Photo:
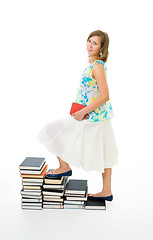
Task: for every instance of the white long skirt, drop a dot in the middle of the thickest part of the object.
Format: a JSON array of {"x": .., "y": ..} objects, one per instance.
[{"x": 85, "y": 144}]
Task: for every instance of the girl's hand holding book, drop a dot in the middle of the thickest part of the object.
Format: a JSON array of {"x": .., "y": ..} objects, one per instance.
[
  {"x": 79, "y": 115},
  {"x": 77, "y": 111}
]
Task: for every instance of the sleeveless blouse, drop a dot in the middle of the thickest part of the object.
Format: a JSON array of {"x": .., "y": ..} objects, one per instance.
[{"x": 88, "y": 91}]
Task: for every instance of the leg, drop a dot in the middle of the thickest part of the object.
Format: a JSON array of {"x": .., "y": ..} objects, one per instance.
[
  {"x": 106, "y": 191},
  {"x": 63, "y": 164},
  {"x": 107, "y": 181},
  {"x": 64, "y": 167}
]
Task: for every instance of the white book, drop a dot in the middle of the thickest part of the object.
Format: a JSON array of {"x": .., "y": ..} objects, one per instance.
[
  {"x": 32, "y": 207},
  {"x": 71, "y": 206},
  {"x": 50, "y": 196},
  {"x": 32, "y": 190},
  {"x": 52, "y": 203},
  {"x": 73, "y": 198},
  {"x": 32, "y": 184},
  {"x": 51, "y": 186},
  {"x": 32, "y": 180},
  {"x": 53, "y": 200},
  {"x": 53, "y": 206},
  {"x": 31, "y": 204},
  {"x": 51, "y": 193},
  {"x": 30, "y": 193},
  {"x": 73, "y": 202},
  {"x": 31, "y": 196},
  {"x": 31, "y": 199}
]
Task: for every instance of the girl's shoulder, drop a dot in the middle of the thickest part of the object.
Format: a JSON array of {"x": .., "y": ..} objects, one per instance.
[
  {"x": 97, "y": 61},
  {"x": 100, "y": 61},
  {"x": 103, "y": 64}
]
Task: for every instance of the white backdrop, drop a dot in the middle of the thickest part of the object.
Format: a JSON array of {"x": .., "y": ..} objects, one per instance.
[{"x": 42, "y": 56}]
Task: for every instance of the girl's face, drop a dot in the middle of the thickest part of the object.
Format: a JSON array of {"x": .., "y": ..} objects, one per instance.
[{"x": 94, "y": 46}]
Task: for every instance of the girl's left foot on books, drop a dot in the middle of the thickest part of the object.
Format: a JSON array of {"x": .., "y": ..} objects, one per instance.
[
  {"x": 102, "y": 194},
  {"x": 60, "y": 170}
]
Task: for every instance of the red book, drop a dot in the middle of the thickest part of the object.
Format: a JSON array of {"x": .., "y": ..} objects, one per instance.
[{"x": 76, "y": 107}]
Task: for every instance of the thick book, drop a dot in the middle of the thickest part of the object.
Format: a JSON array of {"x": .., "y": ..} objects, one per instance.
[
  {"x": 33, "y": 180},
  {"x": 32, "y": 187},
  {"x": 31, "y": 196},
  {"x": 28, "y": 171},
  {"x": 31, "y": 204},
  {"x": 57, "y": 186},
  {"x": 72, "y": 206},
  {"x": 54, "y": 180},
  {"x": 53, "y": 200},
  {"x": 53, "y": 193},
  {"x": 74, "y": 195},
  {"x": 34, "y": 163},
  {"x": 35, "y": 175},
  {"x": 32, "y": 184},
  {"x": 32, "y": 190},
  {"x": 99, "y": 204},
  {"x": 77, "y": 197},
  {"x": 77, "y": 107},
  {"x": 52, "y": 197},
  {"x": 76, "y": 186},
  {"x": 31, "y": 207},
  {"x": 74, "y": 202},
  {"x": 52, "y": 203},
  {"x": 31, "y": 199},
  {"x": 50, "y": 206},
  {"x": 23, "y": 193}
]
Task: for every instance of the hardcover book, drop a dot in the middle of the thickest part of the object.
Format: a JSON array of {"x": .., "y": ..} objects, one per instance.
[
  {"x": 55, "y": 193},
  {"x": 35, "y": 175},
  {"x": 57, "y": 186},
  {"x": 76, "y": 186},
  {"x": 77, "y": 197},
  {"x": 76, "y": 107},
  {"x": 34, "y": 163},
  {"x": 30, "y": 171},
  {"x": 50, "y": 206},
  {"x": 31, "y": 200},
  {"x": 31, "y": 207},
  {"x": 99, "y": 204}
]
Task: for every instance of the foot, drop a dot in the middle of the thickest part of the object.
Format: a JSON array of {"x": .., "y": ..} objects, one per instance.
[
  {"x": 60, "y": 170},
  {"x": 101, "y": 194}
]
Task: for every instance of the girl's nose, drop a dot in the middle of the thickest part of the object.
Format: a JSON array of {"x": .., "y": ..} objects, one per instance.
[{"x": 90, "y": 44}]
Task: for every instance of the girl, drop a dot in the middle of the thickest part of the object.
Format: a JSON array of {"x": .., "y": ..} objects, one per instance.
[{"x": 87, "y": 143}]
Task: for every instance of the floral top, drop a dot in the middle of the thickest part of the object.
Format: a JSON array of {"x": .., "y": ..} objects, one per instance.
[{"x": 88, "y": 91}]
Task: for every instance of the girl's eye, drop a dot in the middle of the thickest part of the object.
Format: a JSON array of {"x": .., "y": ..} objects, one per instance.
[{"x": 94, "y": 42}]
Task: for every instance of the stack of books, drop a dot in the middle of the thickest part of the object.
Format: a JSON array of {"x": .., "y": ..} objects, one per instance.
[
  {"x": 53, "y": 191},
  {"x": 32, "y": 171},
  {"x": 39, "y": 190},
  {"x": 76, "y": 194}
]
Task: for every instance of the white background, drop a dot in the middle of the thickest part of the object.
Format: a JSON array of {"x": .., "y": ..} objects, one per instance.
[{"x": 42, "y": 56}]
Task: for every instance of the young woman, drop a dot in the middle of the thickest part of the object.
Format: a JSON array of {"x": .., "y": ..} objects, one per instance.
[{"x": 87, "y": 143}]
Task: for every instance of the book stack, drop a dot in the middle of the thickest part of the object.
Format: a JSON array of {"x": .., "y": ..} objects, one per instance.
[
  {"x": 76, "y": 194},
  {"x": 53, "y": 191},
  {"x": 32, "y": 171}
]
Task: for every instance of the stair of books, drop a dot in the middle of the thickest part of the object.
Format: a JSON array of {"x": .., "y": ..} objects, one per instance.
[{"x": 40, "y": 191}]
